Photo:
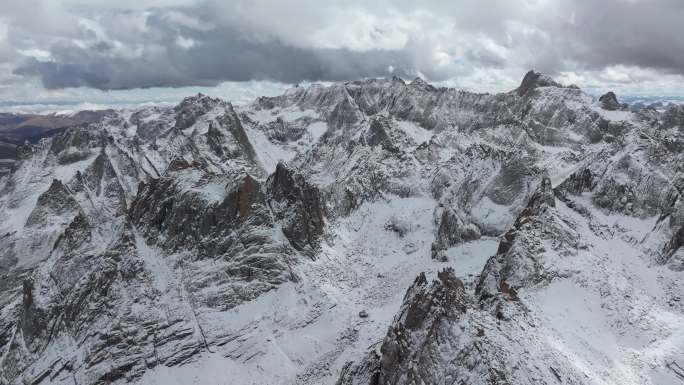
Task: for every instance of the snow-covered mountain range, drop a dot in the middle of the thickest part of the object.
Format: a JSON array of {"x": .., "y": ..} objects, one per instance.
[{"x": 369, "y": 232}]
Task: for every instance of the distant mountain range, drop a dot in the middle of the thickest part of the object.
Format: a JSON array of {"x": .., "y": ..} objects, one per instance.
[
  {"x": 636, "y": 103},
  {"x": 16, "y": 129}
]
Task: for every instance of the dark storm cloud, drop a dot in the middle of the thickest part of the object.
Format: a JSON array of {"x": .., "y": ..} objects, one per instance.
[
  {"x": 217, "y": 54},
  {"x": 620, "y": 32},
  {"x": 212, "y": 60},
  {"x": 206, "y": 43}
]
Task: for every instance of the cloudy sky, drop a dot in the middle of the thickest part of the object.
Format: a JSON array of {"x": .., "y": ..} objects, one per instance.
[{"x": 98, "y": 51}]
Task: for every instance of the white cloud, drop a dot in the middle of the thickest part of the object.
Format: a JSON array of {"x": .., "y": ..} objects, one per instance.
[{"x": 185, "y": 42}]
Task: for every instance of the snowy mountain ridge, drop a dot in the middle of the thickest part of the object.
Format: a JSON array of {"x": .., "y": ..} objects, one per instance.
[{"x": 368, "y": 232}]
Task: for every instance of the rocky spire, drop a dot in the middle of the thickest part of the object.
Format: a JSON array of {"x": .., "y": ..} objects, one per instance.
[
  {"x": 420, "y": 83},
  {"x": 610, "y": 102},
  {"x": 192, "y": 107},
  {"x": 397, "y": 79},
  {"x": 407, "y": 353},
  {"x": 533, "y": 80}
]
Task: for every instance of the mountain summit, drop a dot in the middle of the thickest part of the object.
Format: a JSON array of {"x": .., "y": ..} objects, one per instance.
[{"x": 533, "y": 80}]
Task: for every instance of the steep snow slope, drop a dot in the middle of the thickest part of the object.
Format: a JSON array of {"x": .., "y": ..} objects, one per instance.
[{"x": 275, "y": 243}]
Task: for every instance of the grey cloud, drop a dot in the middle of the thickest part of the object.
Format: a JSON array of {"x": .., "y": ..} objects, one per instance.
[
  {"x": 636, "y": 33},
  {"x": 218, "y": 54},
  {"x": 262, "y": 40}
]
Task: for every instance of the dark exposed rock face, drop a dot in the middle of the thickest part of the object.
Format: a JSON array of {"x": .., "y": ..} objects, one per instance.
[
  {"x": 408, "y": 350},
  {"x": 215, "y": 138},
  {"x": 577, "y": 183},
  {"x": 425, "y": 309},
  {"x": 283, "y": 131},
  {"x": 543, "y": 196},
  {"x": 85, "y": 301},
  {"x": 180, "y": 219},
  {"x": 610, "y": 102},
  {"x": 517, "y": 263},
  {"x": 452, "y": 231},
  {"x": 533, "y": 80},
  {"x": 193, "y": 107},
  {"x": 217, "y": 135},
  {"x": 437, "y": 338},
  {"x": 298, "y": 205},
  {"x": 33, "y": 320},
  {"x": 378, "y": 135},
  {"x": 231, "y": 122},
  {"x": 57, "y": 201},
  {"x": 100, "y": 180},
  {"x": 345, "y": 113},
  {"x": 178, "y": 164},
  {"x": 674, "y": 117},
  {"x": 419, "y": 83},
  {"x": 239, "y": 225},
  {"x": 89, "y": 297},
  {"x": 80, "y": 138}
]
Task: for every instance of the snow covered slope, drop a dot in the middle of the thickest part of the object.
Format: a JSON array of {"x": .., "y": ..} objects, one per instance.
[{"x": 369, "y": 232}]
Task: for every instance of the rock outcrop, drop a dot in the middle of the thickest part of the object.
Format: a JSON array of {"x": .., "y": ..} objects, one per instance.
[
  {"x": 298, "y": 205},
  {"x": 610, "y": 102},
  {"x": 408, "y": 351},
  {"x": 534, "y": 80},
  {"x": 518, "y": 262}
]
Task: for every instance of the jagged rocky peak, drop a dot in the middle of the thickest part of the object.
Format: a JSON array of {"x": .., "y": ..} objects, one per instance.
[
  {"x": 425, "y": 307},
  {"x": 452, "y": 230},
  {"x": 516, "y": 263},
  {"x": 418, "y": 82},
  {"x": 674, "y": 117},
  {"x": 397, "y": 79},
  {"x": 378, "y": 134},
  {"x": 673, "y": 253},
  {"x": 426, "y": 303},
  {"x": 199, "y": 100},
  {"x": 55, "y": 202},
  {"x": 298, "y": 204},
  {"x": 543, "y": 195},
  {"x": 188, "y": 208},
  {"x": 77, "y": 143},
  {"x": 609, "y": 101},
  {"x": 534, "y": 79},
  {"x": 77, "y": 233},
  {"x": 192, "y": 107},
  {"x": 409, "y": 352},
  {"x": 576, "y": 183},
  {"x": 180, "y": 163}
]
